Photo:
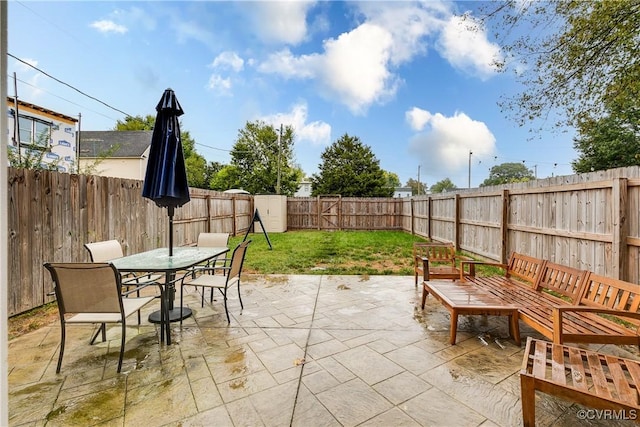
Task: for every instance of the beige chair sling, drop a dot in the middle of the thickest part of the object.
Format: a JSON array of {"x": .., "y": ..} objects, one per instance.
[
  {"x": 92, "y": 293},
  {"x": 221, "y": 282}
]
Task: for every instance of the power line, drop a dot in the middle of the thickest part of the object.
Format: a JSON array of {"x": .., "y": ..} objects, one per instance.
[
  {"x": 68, "y": 85},
  {"x": 65, "y": 99}
]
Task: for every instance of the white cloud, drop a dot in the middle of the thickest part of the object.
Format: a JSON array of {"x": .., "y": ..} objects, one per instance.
[
  {"x": 443, "y": 148},
  {"x": 417, "y": 118},
  {"x": 219, "y": 84},
  {"x": 355, "y": 67},
  {"x": 408, "y": 24},
  {"x": 285, "y": 64},
  {"x": 33, "y": 79},
  {"x": 21, "y": 66},
  {"x": 228, "y": 60},
  {"x": 280, "y": 21},
  {"x": 358, "y": 68},
  {"x": 106, "y": 26},
  {"x": 464, "y": 43},
  {"x": 316, "y": 133}
]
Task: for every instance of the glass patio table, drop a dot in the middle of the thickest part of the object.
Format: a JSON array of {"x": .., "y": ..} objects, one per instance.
[{"x": 159, "y": 261}]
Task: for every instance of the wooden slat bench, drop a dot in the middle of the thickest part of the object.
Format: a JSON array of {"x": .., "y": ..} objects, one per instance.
[
  {"x": 589, "y": 378},
  {"x": 566, "y": 304}
]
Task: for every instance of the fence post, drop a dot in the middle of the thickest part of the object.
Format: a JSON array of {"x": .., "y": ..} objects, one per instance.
[
  {"x": 413, "y": 231},
  {"x": 504, "y": 227},
  {"x": 456, "y": 224},
  {"x": 429, "y": 202},
  {"x": 208, "y": 201},
  {"x": 620, "y": 228}
]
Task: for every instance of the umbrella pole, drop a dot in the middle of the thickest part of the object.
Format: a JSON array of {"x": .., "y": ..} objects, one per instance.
[{"x": 170, "y": 230}]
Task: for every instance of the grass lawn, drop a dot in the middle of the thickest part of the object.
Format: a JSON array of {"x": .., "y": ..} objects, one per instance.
[{"x": 330, "y": 252}]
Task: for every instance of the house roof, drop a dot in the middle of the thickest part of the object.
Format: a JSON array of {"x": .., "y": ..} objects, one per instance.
[
  {"x": 126, "y": 144},
  {"x": 33, "y": 108}
]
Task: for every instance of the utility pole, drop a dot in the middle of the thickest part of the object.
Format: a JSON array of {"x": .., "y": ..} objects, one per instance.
[
  {"x": 419, "y": 185},
  {"x": 470, "y": 153},
  {"x": 279, "y": 155}
]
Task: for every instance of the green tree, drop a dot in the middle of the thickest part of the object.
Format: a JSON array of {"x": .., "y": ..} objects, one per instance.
[
  {"x": 211, "y": 169},
  {"x": 417, "y": 188},
  {"x": 574, "y": 58},
  {"x": 610, "y": 141},
  {"x": 392, "y": 179},
  {"x": 136, "y": 123},
  {"x": 443, "y": 186},
  {"x": 226, "y": 178},
  {"x": 261, "y": 163},
  {"x": 350, "y": 168},
  {"x": 194, "y": 162},
  {"x": 506, "y": 173}
]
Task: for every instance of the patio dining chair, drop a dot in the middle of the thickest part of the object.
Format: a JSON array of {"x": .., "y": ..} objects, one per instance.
[
  {"x": 107, "y": 250},
  {"x": 91, "y": 293},
  {"x": 220, "y": 282},
  {"x": 213, "y": 240}
]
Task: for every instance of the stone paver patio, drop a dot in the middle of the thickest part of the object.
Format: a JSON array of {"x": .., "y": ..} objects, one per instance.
[{"x": 306, "y": 351}]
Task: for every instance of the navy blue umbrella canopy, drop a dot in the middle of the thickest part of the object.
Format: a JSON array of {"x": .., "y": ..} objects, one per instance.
[{"x": 165, "y": 181}]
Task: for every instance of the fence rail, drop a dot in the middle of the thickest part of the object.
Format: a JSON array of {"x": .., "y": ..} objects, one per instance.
[{"x": 587, "y": 221}]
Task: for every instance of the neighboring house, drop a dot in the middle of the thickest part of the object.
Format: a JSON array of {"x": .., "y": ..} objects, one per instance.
[
  {"x": 304, "y": 190},
  {"x": 120, "y": 154},
  {"x": 402, "y": 192},
  {"x": 35, "y": 130}
]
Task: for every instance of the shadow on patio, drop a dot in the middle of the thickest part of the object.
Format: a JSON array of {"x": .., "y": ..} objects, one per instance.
[{"x": 306, "y": 351}]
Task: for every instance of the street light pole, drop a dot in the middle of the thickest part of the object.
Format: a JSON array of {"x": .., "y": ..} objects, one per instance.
[
  {"x": 279, "y": 156},
  {"x": 470, "y": 153}
]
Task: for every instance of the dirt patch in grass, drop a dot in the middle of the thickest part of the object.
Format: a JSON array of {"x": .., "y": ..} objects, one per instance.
[{"x": 32, "y": 320}]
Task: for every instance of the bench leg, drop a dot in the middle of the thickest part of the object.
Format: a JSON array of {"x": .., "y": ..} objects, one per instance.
[
  {"x": 514, "y": 327},
  {"x": 424, "y": 295},
  {"x": 454, "y": 327},
  {"x": 528, "y": 399}
]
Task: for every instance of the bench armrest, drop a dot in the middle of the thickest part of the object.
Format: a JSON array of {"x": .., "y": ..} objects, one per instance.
[
  {"x": 598, "y": 310},
  {"x": 471, "y": 265},
  {"x": 559, "y": 310}
]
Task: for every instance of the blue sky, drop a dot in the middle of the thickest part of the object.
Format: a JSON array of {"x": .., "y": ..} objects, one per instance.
[{"x": 408, "y": 78}]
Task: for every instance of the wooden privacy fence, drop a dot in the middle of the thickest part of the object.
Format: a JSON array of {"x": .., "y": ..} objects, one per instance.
[
  {"x": 52, "y": 215},
  {"x": 588, "y": 221},
  {"x": 343, "y": 213}
]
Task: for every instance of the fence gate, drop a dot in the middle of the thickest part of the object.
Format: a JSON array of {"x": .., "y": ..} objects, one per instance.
[{"x": 329, "y": 212}]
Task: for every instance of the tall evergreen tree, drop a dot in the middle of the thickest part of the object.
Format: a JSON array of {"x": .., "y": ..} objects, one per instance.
[{"x": 350, "y": 168}]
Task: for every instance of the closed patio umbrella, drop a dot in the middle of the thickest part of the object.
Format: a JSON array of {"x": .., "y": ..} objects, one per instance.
[{"x": 165, "y": 181}]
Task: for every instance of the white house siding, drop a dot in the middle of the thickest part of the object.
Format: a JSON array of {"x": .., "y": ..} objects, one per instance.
[
  {"x": 127, "y": 168},
  {"x": 62, "y": 141}
]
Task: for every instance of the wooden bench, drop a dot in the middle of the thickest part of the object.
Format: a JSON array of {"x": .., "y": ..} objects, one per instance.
[
  {"x": 589, "y": 378},
  {"x": 434, "y": 261},
  {"x": 566, "y": 304}
]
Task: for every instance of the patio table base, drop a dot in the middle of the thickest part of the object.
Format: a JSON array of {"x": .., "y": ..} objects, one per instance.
[{"x": 175, "y": 314}]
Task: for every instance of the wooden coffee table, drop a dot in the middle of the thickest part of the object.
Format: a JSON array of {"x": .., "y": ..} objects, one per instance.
[{"x": 463, "y": 298}]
